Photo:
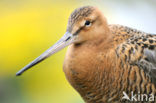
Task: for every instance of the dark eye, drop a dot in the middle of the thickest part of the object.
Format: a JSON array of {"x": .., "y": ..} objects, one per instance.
[{"x": 87, "y": 23}]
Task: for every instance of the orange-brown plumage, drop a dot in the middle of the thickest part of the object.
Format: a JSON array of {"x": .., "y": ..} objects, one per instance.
[
  {"x": 99, "y": 68},
  {"x": 103, "y": 60}
]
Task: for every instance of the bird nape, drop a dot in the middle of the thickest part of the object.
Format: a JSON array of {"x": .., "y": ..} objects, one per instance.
[{"x": 105, "y": 61}]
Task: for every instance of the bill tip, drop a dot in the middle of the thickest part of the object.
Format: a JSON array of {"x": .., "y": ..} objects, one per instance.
[{"x": 18, "y": 74}]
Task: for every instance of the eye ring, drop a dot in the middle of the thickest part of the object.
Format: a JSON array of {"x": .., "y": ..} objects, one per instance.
[{"x": 87, "y": 23}]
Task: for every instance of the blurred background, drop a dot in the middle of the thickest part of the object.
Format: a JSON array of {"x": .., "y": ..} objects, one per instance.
[{"x": 29, "y": 27}]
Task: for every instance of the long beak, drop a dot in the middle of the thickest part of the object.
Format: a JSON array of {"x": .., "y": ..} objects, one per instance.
[{"x": 66, "y": 40}]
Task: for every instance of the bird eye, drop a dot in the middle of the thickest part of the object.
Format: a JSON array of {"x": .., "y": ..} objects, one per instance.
[{"x": 87, "y": 23}]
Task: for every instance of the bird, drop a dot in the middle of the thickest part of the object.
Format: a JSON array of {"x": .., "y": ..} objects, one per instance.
[{"x": 106, "y": 63}]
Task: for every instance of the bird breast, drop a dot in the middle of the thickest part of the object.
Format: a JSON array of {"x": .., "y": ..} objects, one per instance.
[{"x": 88, "y": 69}]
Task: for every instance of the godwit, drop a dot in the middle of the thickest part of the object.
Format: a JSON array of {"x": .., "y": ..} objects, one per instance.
[{"x": 106, "y": 63}]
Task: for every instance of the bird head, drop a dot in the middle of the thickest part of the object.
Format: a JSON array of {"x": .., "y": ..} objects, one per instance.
[{"x": 84, "y": 24}]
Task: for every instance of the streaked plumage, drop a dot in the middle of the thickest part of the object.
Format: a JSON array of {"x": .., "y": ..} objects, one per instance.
[
  {"x": 101, "y": 74},
  {"x": 101, "y": 71}
]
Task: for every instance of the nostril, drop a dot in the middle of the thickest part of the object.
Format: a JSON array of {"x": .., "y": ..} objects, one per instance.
[{"x": 67, "y": 38}]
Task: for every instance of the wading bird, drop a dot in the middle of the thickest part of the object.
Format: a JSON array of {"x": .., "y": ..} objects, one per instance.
[{"x": 104, "y": 61}]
